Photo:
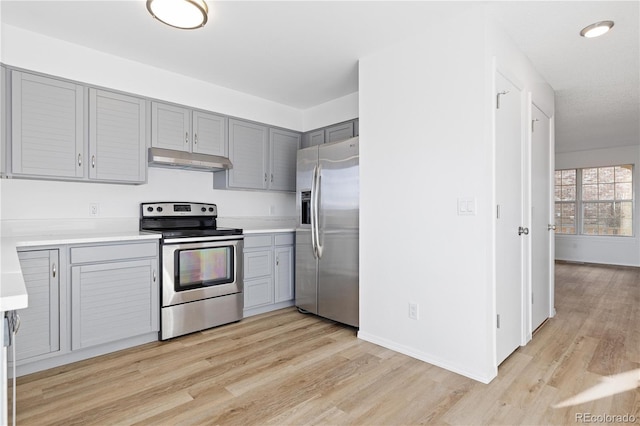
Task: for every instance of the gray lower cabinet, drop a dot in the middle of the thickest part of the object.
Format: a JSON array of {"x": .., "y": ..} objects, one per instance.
[
  {"x": 49, "y": 118},
  {"x": 87, "y": 300},
  {"x": 39, "y": 333},
  {"x": 184, "y": 129},
  {"x": 263, "y": 158},
  {"x": 268, "y": 272}
]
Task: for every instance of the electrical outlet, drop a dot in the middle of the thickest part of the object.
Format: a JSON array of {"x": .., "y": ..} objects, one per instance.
[
  {"x": 413, "y": 311},
  {"x": 94, "y": 209}
]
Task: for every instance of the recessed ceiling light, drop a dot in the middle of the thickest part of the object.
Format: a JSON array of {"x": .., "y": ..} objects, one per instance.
[
  {"x": 183, "y": 14},
  {"x": 597, "y": 29}
]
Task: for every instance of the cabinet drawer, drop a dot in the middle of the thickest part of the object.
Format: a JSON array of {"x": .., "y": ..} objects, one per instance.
[
  {"x": 284, "y": 239},
  {"x": 257, "y": 241},
  {"x": 105, "y": 253}
]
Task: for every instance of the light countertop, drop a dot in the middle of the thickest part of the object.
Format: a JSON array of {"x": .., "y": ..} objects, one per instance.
[{"x": 259, "y": 225}]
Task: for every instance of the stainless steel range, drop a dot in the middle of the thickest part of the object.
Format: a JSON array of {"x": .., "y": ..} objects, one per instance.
[{"x": 202, "y": 278}]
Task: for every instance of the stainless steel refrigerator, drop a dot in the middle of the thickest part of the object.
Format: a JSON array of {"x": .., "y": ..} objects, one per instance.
[{"x": 327, "y": 197}]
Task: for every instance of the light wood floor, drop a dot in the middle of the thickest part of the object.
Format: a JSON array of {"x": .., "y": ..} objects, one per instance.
[{"x": 288, "y": 368}]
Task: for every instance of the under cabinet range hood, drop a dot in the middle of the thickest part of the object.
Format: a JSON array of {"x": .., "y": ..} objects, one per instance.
[{"x": 161, "y": 157}]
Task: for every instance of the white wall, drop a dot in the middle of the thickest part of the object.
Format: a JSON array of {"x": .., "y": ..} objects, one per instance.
[
  {"x": 605, "y": 249},
  {"x": 21, "y": 199},
  {"x": 426, "y": 114},
  {"x": 335, "y": 111}
]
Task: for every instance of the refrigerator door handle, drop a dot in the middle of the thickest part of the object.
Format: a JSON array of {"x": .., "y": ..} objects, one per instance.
[
  {"x": 318, "y": 199},
  {"x": 313, "y": 213}
]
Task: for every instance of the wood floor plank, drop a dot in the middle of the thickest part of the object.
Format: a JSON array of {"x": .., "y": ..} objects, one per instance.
[{"x": 286, "y": 368}]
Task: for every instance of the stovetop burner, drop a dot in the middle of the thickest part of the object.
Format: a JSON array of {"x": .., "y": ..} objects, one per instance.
[{"x": 182, "y": 220}]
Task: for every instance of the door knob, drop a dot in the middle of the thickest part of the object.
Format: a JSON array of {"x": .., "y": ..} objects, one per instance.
[
  {"x": 551, "y": 227},
  {"x": 522, "y": 230}
]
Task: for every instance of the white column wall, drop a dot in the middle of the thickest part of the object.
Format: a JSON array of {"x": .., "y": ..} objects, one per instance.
[{"x": 426, "y": 142}]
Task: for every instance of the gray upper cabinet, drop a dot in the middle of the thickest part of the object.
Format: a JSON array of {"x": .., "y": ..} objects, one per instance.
[
  {"x": 284, "y": 147},
  {"x": 262, "y": 158},
  {"x": 61, "y": 130},
  {"x": 170, "y": 127},
  {"x": 248, "y": 152},
  {"x": 339, "y": 132},
  {"x": 39, "y": 333},
  {"x": 183, "y": 129},
  {"x": 209, "y": 133},
  {"x": 117, "y": 137},
  {"x": 47, "y": 127}
]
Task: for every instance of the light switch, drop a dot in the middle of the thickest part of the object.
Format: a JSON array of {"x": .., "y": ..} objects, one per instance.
[{"x": 466, "y": 206}]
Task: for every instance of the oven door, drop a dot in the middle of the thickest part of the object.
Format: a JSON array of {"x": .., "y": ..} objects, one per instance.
[{"x": 201, "y": 270}]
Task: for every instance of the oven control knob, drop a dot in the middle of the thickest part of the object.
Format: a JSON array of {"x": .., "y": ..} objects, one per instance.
[
  {"x": 210, "y": 209},
  {"x": 149, "y": 209},
  {"x": 204, "y": 209},
  {"x": 159, "y": 209}
]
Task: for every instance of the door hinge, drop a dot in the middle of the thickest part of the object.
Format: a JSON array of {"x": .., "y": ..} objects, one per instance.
[
  {"x": 498, "y": 321},
  {"x": 504, "y": 92},
  {"x": 498, "y": 211},
  {"x": 532, "y": 298},
  {"x": 532, "y": 124}
]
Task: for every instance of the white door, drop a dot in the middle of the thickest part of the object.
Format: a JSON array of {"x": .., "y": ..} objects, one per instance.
[
  {"x": 509, "y": 216},
  {"x": 540, "y": 234}
]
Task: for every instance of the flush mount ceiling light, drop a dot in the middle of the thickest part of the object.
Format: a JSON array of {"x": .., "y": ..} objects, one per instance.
[
  {"x": 597, "y": 29},
  {"x": 184, "y": 14}
]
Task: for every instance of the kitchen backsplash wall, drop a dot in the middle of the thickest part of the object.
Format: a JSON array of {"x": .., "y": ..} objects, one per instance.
[{"x": 24, "y": 199}]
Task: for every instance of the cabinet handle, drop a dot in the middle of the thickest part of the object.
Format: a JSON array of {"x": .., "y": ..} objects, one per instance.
[
  {"x": 79, "y": 160},
  {"x": 186, "y": 137},
  {"x": 53, "y": 270},
  {"x": 271, "y": 177},
  {"x": 195, "y": 138},
  {"x": 154, "y": 275},
  {"x": 277, "y": 260},
  {"x": 93, "y": 161},
  {"x": 265, "y": 177}
]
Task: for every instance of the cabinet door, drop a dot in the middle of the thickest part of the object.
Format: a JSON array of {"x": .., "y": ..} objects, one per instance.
[
  {"x": 258, "y": 292},
  {"x": 170, "y": 127},
  {"x": 248, "y": 153},
  {"x": 209, "y": 133},
  {"x": 339, "y": 132},
  {"x": 284, "y": 149},
  {"x": 284, "y": 274},
  {"x": 39, "y": 332},
  {"x": 116, "y": 137},
  {"x": 47, "y": 126},
  {"x": 257, "y": 263},
  {"x": 113, "y": 301}
]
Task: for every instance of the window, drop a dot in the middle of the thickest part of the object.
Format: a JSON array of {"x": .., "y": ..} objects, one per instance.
[
  {"x": 566, "y": 201},
  {"x": 595, "y": 201}
]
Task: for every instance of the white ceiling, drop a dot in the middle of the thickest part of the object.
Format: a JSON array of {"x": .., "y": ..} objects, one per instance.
[{"x": 304, "y": 53}]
